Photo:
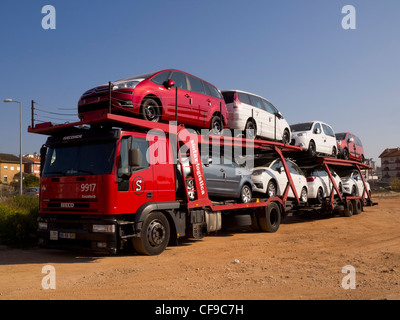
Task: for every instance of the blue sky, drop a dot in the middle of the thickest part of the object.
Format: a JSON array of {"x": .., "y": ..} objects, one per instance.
[{"x": 293, "y": 52}]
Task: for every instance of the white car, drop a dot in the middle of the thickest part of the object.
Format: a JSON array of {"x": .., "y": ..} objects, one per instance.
[
  {"x": 271, "y": 180},
  {"x": 353, "y": 184},
  {"x": 315, "y": 137},
  {"x": 320, "y": 185},
  {"x": 248, "y": 111}
]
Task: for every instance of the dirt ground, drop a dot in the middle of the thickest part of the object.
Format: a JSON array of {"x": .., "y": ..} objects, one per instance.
[{"x": 303, "y": 260}]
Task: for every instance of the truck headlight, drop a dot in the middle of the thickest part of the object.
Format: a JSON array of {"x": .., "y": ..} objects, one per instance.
[
  {"x": 109, "y": 228},
  {"x": 42, "y": 225}
]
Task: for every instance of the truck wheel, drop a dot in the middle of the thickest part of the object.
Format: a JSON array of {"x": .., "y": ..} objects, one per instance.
[
  {"x": 357, "y": 206},
  {"x": 270, "y": 218},
  {"x": 155, "y": 235},
  {"x": 348, "y": 210}
]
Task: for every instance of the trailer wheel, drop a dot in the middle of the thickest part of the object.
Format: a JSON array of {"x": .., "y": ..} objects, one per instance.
[
  {"x": 349, "y": 209},
  {"x": 270, "y": 219},
  {"x": 320, "y": 196},
  {"x": 155, "y": 235},
  {"x": 357, "y": 206}
]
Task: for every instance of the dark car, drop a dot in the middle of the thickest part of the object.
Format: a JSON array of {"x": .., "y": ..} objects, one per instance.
[
  {"x": 152, "y": 97},
  {"x": 350, "y": 147}
]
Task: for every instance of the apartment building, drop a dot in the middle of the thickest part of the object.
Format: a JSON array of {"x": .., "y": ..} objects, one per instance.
[{"x": 390, "y": 164}]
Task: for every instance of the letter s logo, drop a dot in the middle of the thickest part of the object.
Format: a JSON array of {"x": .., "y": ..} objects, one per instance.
[{"x": 138, "y": 185}]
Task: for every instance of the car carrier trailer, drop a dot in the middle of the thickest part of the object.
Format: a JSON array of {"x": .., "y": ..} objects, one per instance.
[{"x": 111, "y": 181}]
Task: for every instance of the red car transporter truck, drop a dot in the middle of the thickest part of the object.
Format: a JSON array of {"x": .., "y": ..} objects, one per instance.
[{"x": 110, "y": 181}]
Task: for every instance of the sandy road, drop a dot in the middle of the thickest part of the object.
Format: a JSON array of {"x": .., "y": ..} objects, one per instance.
[{"x": 303, "y": 260}]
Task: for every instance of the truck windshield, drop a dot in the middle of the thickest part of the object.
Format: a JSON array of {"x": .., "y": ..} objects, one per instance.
[{"x": 77, "y": 160}]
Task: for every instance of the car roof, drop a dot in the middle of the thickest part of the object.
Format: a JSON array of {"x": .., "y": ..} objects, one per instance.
[{"x": 253, "y": 94}]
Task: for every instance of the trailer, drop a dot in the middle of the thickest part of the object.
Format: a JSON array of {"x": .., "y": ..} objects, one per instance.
[{"x": 111, "y": 182}]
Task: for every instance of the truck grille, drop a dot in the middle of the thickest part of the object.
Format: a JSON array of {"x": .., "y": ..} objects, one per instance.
[{"x": 70, "y": 205}]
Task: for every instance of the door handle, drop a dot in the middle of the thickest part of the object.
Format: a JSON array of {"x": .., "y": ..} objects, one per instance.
[{"x": 224, "y": 175}]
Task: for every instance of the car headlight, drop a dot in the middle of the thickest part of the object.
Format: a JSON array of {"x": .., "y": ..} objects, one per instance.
[
  {"x": 125, "y": 85},
  {"x": 302, "y": 134},
  {"x": 258, "y": 172}
]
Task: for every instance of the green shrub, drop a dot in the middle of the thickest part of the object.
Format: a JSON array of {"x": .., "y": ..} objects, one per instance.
[
  {"x": 395, "y": 184},
  {"x": 18, "y": 220}
]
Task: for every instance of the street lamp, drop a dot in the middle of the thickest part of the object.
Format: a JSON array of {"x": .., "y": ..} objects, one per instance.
[{"x": 20, "y": 142}]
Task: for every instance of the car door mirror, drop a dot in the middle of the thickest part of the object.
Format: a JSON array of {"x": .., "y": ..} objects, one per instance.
[
  {"x": 317, "y": 130},
  {"x": 279, "y": 115},
  {"x": 169, "y": 84},
  {"x": 350, "y": 140},
  {"x": 281, "y": 169}
]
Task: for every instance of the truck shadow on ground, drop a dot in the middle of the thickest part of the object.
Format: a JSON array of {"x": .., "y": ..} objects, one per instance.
[
  {"x": 36, "y": 255},
  {"x": 232, "y": 225}
]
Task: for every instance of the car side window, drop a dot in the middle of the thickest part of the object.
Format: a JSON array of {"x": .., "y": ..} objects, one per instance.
[
  {"x": 276, "y": 165},
  {"x": 213, "y": 91},
  {"x": 358, "y": 141},
  {"x": 317, "y": 126},
  {"x": 257, "y": 102},
  {"x": 243, "y": 97},
  {"x": 180, "y": 80},
  {"x": 328, "y": 130},
  {"x": 269, "y": 107},
  {"x": 161, "y": 78},
  {"x": 196, "y": 85}
]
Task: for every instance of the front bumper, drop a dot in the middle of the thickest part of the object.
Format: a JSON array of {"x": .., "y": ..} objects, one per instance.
[{"x": 77, "y": 232}]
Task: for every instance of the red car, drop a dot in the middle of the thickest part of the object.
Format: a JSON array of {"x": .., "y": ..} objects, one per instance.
[
  {"x": 152, "y": 97},
  {"x": 349, "y": 147}
]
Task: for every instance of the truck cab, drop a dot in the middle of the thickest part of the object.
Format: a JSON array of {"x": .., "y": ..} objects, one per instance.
[{"x": 98, "y": 186}]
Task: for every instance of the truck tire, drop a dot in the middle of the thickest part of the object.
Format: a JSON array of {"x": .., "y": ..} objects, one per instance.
[
  {"x": 154, "y": 236},
  {"x": 357, "y": 206},
  {"x": 348, "y": 209},
  {"x": 269, "y": 219}
]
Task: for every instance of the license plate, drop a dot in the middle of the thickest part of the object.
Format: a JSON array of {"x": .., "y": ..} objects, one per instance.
[
  {"x": 53, "y": 235},
  {"x": 67, "y": 235}
]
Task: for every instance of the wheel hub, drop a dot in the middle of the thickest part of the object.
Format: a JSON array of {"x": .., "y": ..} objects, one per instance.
[{"x": 156, "y": 233}]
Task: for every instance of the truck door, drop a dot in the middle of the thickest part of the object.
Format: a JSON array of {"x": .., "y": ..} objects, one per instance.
[{"x": 135, "y": 183}]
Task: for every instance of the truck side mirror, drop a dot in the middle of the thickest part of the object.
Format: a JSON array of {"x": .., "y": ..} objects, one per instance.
[{"x": 134, "y": 157}]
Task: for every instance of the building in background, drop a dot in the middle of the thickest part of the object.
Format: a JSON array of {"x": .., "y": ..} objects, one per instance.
[
  {"x": 9, "y": 167},
  {"x": 32, "y": 164},
  {"x": 390, "y": 164}
]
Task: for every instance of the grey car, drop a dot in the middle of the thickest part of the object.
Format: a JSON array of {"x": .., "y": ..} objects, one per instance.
[{"x": 224, "y": 179}]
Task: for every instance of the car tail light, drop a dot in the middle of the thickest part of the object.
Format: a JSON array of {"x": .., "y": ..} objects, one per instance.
[
  {"x": 310, "y": 179},
  {"x": 236, "y": 103}
]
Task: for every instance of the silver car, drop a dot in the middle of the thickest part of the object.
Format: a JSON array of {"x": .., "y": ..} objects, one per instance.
[{"x": 224, "y": 179}]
